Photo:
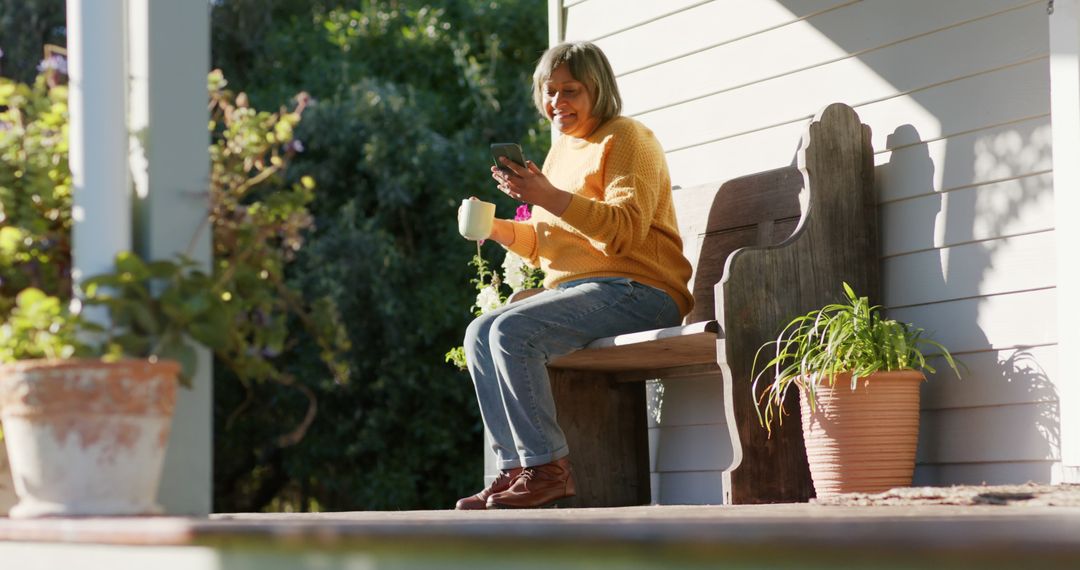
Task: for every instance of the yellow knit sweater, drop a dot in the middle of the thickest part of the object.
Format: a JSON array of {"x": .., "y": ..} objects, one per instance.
[{"x": 620, "y": 221}]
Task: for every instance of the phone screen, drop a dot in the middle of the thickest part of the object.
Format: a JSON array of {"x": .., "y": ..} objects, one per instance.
[{"x": 509, "y": 150}]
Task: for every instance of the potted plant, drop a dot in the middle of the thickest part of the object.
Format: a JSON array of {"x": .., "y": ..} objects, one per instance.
[
  {"x": 87, "y": 409},
  {"x": 858, "y": 375},
  {"x": 251, "y": 313}
]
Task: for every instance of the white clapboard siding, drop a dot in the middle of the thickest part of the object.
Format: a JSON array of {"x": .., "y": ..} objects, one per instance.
[
  {"x": 692, "y": 448},
  {"x": 769, "y": 55},
  {"x": 875, "y": 76},
  {"x": 688, "y": 488},
  {"x": 914, "y": 168},
  {"x": 991, "y": 267},
  {"x": 737, "y": 156},
  {"x": 596, "y": 19},
  {"x": 985, "y": 472},
  {"x": 695, "y": 399},
  {"x": 987, "y": 323},
  {"x": 965, "y": 104},
  {"x": 957, "y": 96},
  {"x": 1018, "y": 432},
  {"x": 959, "y": 107},
  {"x": 1012, "y": 207},
  {"x": 702, "y": 28},
  {"x": 993, "y": 378}
]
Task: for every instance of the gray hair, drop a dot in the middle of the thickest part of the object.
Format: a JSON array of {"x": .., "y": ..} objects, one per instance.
[{"x": 588, "y": 65}]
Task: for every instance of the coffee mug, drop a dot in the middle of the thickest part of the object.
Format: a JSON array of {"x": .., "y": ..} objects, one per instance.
[{"x": 476, "y": 219}]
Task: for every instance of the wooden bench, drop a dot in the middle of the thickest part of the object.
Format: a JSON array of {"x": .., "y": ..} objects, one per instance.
[{"x": 773, "y": 245}]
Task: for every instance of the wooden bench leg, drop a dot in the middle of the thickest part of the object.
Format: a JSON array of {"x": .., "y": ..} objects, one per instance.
[{"x": 606, "y": 428}]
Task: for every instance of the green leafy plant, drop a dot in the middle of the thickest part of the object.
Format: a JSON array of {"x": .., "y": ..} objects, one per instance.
[
  {"x": 848, "y": 337},
  {"x": 155, "y": 310},
  {"x": 40, "y": 326},
  {"x": 243, "y": 307},
  {"x": 491, "y": 288},
  {"x": 35, "y": 185}
]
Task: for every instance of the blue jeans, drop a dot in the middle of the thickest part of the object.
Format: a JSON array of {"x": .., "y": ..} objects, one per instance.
[{"x": 508, "y": 350}]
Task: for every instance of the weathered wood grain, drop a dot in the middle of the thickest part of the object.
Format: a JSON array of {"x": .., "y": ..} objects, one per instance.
[
  {"x": 655, "y": 349},
  {"x": 764, "y": 287},
  {"x": 606, "y": 430}
]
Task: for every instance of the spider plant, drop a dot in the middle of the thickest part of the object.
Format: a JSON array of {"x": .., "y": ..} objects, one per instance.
[{"x": 848, "y": 337}]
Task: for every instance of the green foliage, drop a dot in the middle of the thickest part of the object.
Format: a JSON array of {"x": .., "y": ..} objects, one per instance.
[
  {"x": 244, "y": 308},
  {"x": 25, "y": 27},
  {"x": 154, "y": 308},
  {"x": 406, "y": 98},
  {"x": 851, "y": 336},
  {"x": 260, "y": 221},
  {"x": 40, "y": 326},
  {"x": 494, "y": 290},
  {"x": 35, "y": 189}
]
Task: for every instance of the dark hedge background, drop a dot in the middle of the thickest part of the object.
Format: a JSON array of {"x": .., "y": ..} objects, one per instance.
[{"x": 408, "y": 96}]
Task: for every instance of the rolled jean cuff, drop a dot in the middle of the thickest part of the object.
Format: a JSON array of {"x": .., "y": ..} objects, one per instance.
[{"x": 534, "y": 460}]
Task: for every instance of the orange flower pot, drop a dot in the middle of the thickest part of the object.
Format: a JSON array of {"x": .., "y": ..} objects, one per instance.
[{"x": 863, "y": 440}]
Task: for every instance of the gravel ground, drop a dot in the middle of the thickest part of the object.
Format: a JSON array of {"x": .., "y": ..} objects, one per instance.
[{"x": 1027, "y": 495}]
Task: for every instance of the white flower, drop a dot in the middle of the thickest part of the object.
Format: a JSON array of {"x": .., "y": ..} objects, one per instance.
[
  {"x": 488, "y": 299},
  {"x": 514, "y": 271}
]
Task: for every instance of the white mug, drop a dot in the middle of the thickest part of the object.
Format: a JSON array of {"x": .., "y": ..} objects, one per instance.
[{"x": 476, "y": 219}]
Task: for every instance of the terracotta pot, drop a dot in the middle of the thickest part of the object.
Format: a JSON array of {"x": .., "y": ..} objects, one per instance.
[
  {"x": 863, "y": 440},
  {"x": 85, "y": 437}
]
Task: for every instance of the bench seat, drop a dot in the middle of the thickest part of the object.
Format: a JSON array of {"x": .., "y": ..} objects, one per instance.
[{"x": 648, "y": 352}]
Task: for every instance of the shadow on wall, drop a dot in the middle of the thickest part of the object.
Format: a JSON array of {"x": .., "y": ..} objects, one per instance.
[
  {"x": 981, "y": 442},
  {"x": 1026, "y": 374},
  {"x": 1004, "y": 411},
  {"x": 973, "y": 203}
]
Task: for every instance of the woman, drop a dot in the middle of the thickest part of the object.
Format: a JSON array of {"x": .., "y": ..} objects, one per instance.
[{"x": 603, "y": 229}]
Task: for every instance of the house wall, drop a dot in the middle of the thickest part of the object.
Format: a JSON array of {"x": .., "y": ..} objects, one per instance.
[{"x": 958, "y": 96}]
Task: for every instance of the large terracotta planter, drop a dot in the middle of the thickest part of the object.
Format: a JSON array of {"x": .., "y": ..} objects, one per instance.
[
  {"x": 863, "y": 440},
  {"x": 86, "y": 437}
]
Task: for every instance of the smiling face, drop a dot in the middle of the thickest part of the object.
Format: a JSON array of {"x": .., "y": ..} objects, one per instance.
[{"x": 568, "y": 103}]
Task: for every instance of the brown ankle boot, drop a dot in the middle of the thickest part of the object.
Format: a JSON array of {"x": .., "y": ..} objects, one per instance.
[
  {"x": 478, "y": 502},
  {"x": 537, "y": 487}
]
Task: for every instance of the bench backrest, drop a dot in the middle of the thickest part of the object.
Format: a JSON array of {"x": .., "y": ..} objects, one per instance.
[
  {"x": 772, "y": 246},
  {"x": 755, "y": 210}
]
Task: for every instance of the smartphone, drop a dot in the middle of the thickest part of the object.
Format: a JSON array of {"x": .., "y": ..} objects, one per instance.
[{"x": 511, "y": 151}]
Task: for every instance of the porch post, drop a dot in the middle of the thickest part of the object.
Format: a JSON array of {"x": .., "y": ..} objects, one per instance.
[
  {"x": 1065, "y": 117},
  {"x": 170, "y": 58},
  {"x": 98, "y": 141}
]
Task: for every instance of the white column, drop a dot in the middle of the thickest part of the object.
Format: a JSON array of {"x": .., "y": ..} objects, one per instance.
[
  {"x": 556, "y": 23},
  {"x": 98, "y": 139},
  {"x": 1065, "y": 117},
  {"x": 170, "y": 58}
]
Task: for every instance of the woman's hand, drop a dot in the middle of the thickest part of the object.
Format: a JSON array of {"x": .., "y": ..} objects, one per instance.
[{"x": 529, "y": 185}]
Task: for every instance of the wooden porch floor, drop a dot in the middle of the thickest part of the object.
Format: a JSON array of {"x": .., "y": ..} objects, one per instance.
[{"x": 760, "y": 536}]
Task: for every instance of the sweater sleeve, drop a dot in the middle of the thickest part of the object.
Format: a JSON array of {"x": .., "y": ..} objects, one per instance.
[
  {"x": 633, "y": 173},
  {"x": 524, "y": 243}
]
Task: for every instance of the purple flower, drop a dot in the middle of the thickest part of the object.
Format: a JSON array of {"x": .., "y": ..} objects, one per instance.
[
  {"x": 523, "y": 213},
  {"x": 294, "y": 146},
  {"x": 54, "y": 62}
]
